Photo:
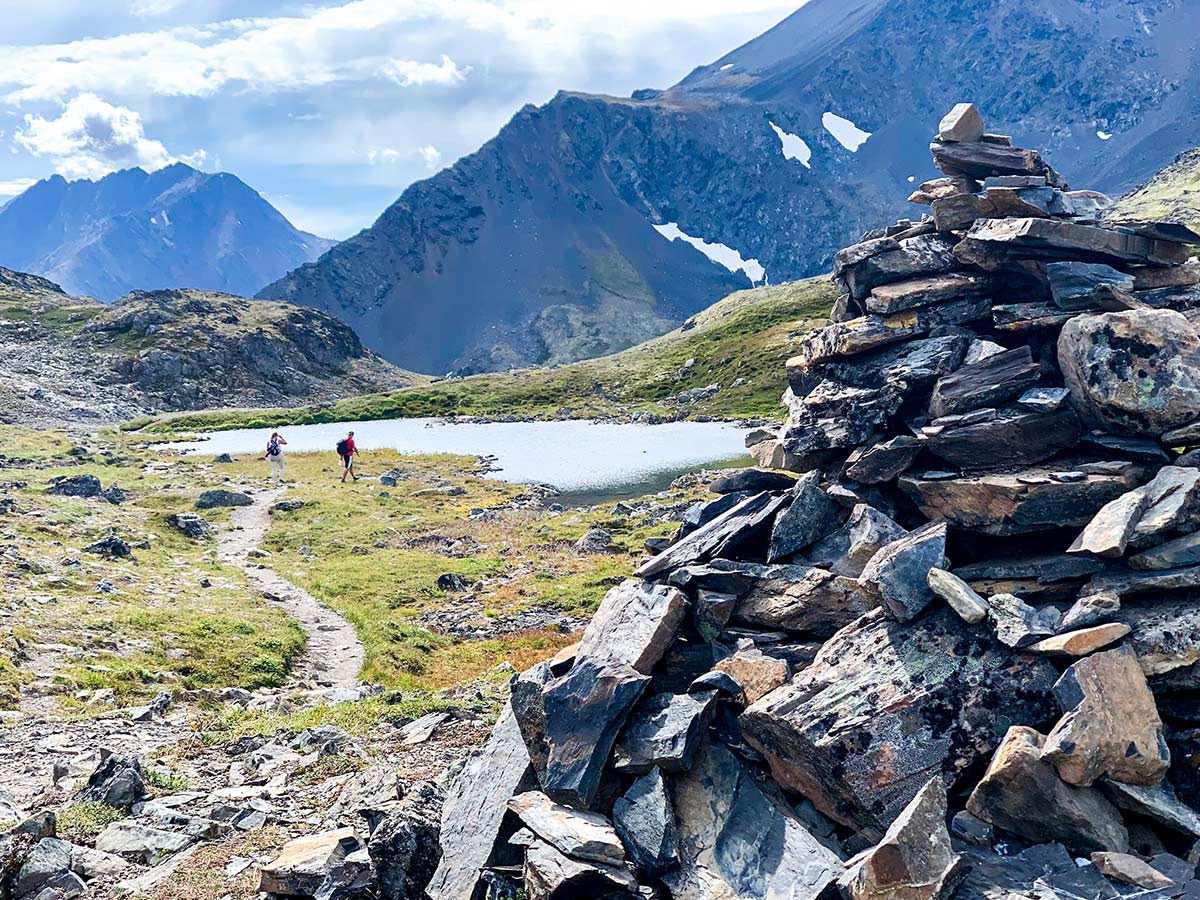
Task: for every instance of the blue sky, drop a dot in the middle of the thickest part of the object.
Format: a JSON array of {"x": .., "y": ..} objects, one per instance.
[{"x": 331, "y": 108}]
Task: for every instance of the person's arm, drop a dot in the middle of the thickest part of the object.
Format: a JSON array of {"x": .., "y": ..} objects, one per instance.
[{"x": 282, "y": 441}]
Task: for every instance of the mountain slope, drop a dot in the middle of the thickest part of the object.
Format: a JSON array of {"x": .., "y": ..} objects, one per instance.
[
  {"x": 66, "y": 359},
  {"x": 466, "y": 267},
  {"x": 137, "y": 230},
  {"x": 1173, "y": 194}
]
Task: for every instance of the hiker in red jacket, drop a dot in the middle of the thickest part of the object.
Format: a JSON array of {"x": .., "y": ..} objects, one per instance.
[{"x": 347, "y": 451}]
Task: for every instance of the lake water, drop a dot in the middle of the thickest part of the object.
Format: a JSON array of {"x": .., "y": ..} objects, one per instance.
[{"x": 586, "y": 461}]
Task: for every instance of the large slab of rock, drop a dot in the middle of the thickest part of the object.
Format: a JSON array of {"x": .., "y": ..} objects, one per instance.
[
  {"x": 1111, "y": 529},
  {"x": 474, "y": 809},
  {"x": 1111, "y": 725},
  {"x": 1079, "y": 286},
  {"x": 985, "y": 158},
  {"x": 882, "y": 461},
  {"x": 924, "y": 255},
  {"x": 898, "y": 574},
  {"x": 584, "y": 711},
  {"x": 635, "y": 624},
  {"x": 811, "y": 600},
  {"x": 1179, "y": 553},
  {"x": 1017, "y": 501},
  {"x": 993, "y": 241},
  {"x": 810, "y": 517},
  {"x": 989, "y": 382},
  {"x": 720, "y": 537},
  {"x": 577, "y": 833},
  {"x": 141, "y": 843},
  {"x": 1082, "y": 641},
  {"x": 1022, "y": 794},
  {"x": 1166, "y": 634},
  {"x": 887, "y": 706},
  {"x": 902, "y": 295},
  {"x": 645, "y": 819},
  {"x": 1011, "y": 438},
  {"x": 971, "y": 608},
  {"x": 1159, "y": 803},
  {"x": 739, "y": 838},
  {"x": 1134, "y": 372},
  {"x": 914, "y": 860},
  {"x": 664, "y": 732},
  {"x": 404, "y": 845}
]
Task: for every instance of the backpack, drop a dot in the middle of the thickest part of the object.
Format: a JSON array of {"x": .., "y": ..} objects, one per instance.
[
  {"x": 343, "y": 447},
  {"x": 272, "y": 448}
]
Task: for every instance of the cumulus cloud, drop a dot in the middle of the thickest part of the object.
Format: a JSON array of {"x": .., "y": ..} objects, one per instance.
[
  {"x": 92, "y": 137},
  {"x": 432, "y": 156},
  {"x": 429, "y": 154},
  {"x": 14, "y": 186},
  {"x": 407, "y": 73}
]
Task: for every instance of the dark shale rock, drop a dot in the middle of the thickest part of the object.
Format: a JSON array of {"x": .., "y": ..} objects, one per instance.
[
  {"x": 111, "y": 546},
  {"x": 990, "y": 242},
  {"x": 1159, "y": 803},
  {"x": 739, "y": 838},
  {"x": 848, "y": 550},
  {"x": 702, "y": 513},
  {"x": 1111, "y": 725},
  {"x": 742, "y": 481},
  {"x": 220, "y": 497},
  {"x": 404, "y": 846},
  {"x": 1092, "y": 609},
  {"x": 990, "y": 382},
  {"x": 1166, "y": 635},
  {"x": 645, "y": 819},
  {"x": 1080, "y": 286},
  {"x": 190, "y": 524},
  {"x": 898, "y": 574},
  {"x": 579, "y": 834},
  {"x": 1179, "y": 553},
  {"x": 663, "y": 732},
  {"x": 916, "y": 256},
  {"x": 1018, "y": 500},
  {"x": 899, "y": 296},
  {"x": 118, "y": 781},
  {"x": 810, "y": 517},
  {"x": 711, "y": 611},
  {"x": 584, "y": 712},
  {"x": 475, "y": 806},
  {"x": 914, "y": 860},
  {"x": 1135, "y": 372},
  {"x": 76, "y": 486},
  {"x": 886, "y": 706},
  {"x": 883, "y": 461},
  {"x": 804, "y": 599},
  {"x": 551, "y": 875},
  {"x": 983, "y": 159},
  {"x": 1017, "y": 624},
  {"x": 634, "y": 625},
  {"x": 1012, "y": 438},
  {"x": 1022, "y": 794},
  {"x": 723, "y": 536}
]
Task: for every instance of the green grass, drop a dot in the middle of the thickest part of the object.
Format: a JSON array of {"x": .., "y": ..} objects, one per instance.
[
  {"x": 81, "y": 822},
  {"x": 745, "y": 336},
  {"x": 1174, "y": 193}
]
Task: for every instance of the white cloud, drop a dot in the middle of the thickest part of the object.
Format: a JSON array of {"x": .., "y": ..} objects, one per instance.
[
  {"x": 407, "y": 73},
  {"x": 381, "y": 155},
  {"x": 15, "y": 186},
  {"x": 154, "y": 7},
  {"x": 92, "y": 138},
  {"x": 432, "y": 156}
]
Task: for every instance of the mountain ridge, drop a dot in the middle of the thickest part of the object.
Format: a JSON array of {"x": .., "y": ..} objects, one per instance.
[
  {"x": 703, "y": 154},
  {"x": 174, "y": 227}
]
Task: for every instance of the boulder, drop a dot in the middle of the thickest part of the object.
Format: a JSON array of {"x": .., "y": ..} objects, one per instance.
[
  {"x": 810, "y": 517},
  {"x": 880, "y": 462},
  {"x": 901, "y": 295},
  {"x": 47, "y": 867},
  {"x": 1166, "y": 637},
  {"x": 1130, "y": 870},
  {"x": 704, "y": 512},
  {"x": 914, "y": 860},
  {"x": 739, "y": 838},
  {"x": 962, "y": 123},
  {"x": 1091, "y": 610},
  {"x": 847, "y": 551},
  {"x": 755, "y": 673},
  {"x": 663, "y": 732},
  {"x": 887, "y": 706},
  {"x": 220, "y": 497},
  {"x": 1134, "y": 372},
  {"x": 992, "y": 242},
  {"x": 1081, "y": 286},
  {"x": 95, "y": 865},
  {"x": 1111, "y": 725},
  {"x": 579, "y": 834},
  {"x": 76, "y": 486},
  {"x": 1180, "y": 552},
  {"x": 190, "y": 524},
  {"x": 112, "y": 546},
  {"x": 118, "y": 781},
  {"x": 303, "y": 864},
  {"x": 1011, "y": 438},
  {"x": 1022, "y": 794},
  {"x": 645, "y": 820},
  {"x": 635, "y": 624},
  {"x": 898, "y": 574},
  {"x": 404, "y": 846},
  {"x": 1159, "y": 803},
  {"x": 711, "y": 611},
  {"x": 751, "y": 481},
  {"x": 595, "y": 540},
  {"x": 971, "y": 608},
  {"x": 475, "y": 806}
]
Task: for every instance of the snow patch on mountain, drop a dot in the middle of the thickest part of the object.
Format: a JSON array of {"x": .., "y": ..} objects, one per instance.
[
  {"x": 844, "y": 131},
  {"x": 721, "y": 254},
  {"x": 793, "y": 146}
]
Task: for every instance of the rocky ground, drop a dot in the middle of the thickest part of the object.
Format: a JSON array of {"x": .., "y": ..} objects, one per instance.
[{"x": 66, "y": 360}]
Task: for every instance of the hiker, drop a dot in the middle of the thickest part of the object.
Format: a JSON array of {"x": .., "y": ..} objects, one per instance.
[
  {"x": 274, "y": 455},
  {"x": 347, "y": 451}
]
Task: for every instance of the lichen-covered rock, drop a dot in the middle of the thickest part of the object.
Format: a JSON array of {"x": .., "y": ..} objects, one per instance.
[
  {"x": 1134, "y": 372},
  {"x": 886, "y": 706}
]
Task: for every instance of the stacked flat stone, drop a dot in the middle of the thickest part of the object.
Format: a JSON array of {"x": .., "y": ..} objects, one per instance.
[{"x": 956, "y": 652}]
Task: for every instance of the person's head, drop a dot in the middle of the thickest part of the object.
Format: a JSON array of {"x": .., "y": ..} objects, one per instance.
[
  {"x": 351, "y": 434},
  {"x": 274, "y": 434}
]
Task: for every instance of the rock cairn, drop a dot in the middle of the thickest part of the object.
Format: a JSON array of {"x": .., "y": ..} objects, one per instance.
[{"x": 958, "y": 655}]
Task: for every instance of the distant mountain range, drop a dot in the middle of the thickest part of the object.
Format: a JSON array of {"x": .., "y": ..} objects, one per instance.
[
  {"x": 137, "y": 230},
  {"x": 551, "y": 243}
]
